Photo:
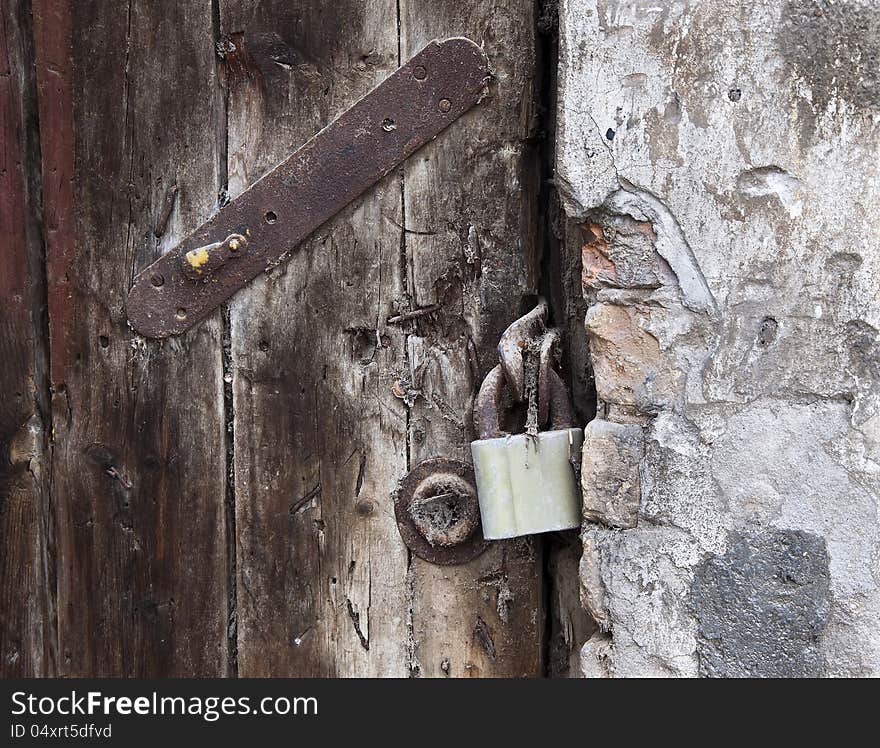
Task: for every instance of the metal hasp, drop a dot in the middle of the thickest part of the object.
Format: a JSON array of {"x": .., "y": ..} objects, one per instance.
[
  {"x": 259, "y": 229},
  {"x": 527, "y": 483}
]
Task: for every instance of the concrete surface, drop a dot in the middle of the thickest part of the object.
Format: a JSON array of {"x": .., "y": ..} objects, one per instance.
[{"x": 718, "y": 162}]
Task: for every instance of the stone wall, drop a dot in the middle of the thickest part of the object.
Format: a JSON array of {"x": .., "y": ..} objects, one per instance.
[{"x": 718, "y": 164}]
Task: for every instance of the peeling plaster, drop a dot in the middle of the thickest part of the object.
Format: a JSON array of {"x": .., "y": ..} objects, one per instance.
[{"x": 731, "y": 266}]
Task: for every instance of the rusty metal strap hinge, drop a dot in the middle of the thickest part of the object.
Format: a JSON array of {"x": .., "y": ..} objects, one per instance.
[{"x": 258, "y": 229}]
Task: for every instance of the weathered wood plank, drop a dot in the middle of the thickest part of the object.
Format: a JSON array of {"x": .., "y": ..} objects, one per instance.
[
  {"x": 129, "y": 103},
  {"x": 320, "y": 440},
  {"x": 471, "y": 247},
  {"x": 26, "y": 624}
]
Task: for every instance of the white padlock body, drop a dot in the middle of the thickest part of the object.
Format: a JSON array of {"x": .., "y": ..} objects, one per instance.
[{"x": 527, "y": 485}]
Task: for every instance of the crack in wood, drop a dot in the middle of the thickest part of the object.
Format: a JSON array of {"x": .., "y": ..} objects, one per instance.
[
  {"x": 356, "y": 621},
  {"x": 301, "y": 503},
  {"x": 483, "y": 637}
]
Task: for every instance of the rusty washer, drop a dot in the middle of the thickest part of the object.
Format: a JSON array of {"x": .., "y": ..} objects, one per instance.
[{"x": 437, "y": 512}]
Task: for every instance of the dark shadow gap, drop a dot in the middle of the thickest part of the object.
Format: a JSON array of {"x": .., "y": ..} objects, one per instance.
[
  {"x": 567, "y": 625},
  {"x": 222, "y": 135}
]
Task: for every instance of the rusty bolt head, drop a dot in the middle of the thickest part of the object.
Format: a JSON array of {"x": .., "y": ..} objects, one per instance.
[
  {"x": 445, "y": 105},
  {"x": 444, "y": 508},
  {"x": 438, "y": 514},
  {"x": 419, "y": 73}
]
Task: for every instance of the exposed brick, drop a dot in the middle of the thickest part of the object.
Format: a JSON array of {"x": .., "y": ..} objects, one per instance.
[
  {"x": 630, "y": 368},
  {"x": 620, "y": 253},
  {"x": 610, "y": 473}
]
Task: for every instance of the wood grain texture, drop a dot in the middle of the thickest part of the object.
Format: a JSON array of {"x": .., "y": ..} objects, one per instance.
[
  {"x": 129, "y": 104},
  {"x": 471, "y": 247},
  {"x": 332, "y": 403},
  {"x": 320, "y": 440},
  {"x": 26, "y": 623},
  {"x": 324, "y": 405}
]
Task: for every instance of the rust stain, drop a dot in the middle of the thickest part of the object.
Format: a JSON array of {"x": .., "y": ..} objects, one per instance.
[
  {"x": 241, "y": 67},
  {"x": 303, "y": 192}
]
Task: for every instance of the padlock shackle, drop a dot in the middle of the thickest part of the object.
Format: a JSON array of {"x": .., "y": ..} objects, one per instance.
[
  {"x": 490, "y": 404},
  {"x": 510, "y": 347}
]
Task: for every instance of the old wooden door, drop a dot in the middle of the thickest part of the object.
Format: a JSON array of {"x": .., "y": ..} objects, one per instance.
[{"x": 220, "y": 503}]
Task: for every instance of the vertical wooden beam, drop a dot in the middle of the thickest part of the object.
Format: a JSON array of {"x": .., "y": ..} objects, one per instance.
[
  {"x": 128, "y": 107},
  {"x": 320, "y": 438},
  {"x": 26, "y": 624},
  {"x": 471, "y": 246}
]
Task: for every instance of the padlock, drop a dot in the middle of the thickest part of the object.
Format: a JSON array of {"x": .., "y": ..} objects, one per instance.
[{"x": 526, "y": 484}]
